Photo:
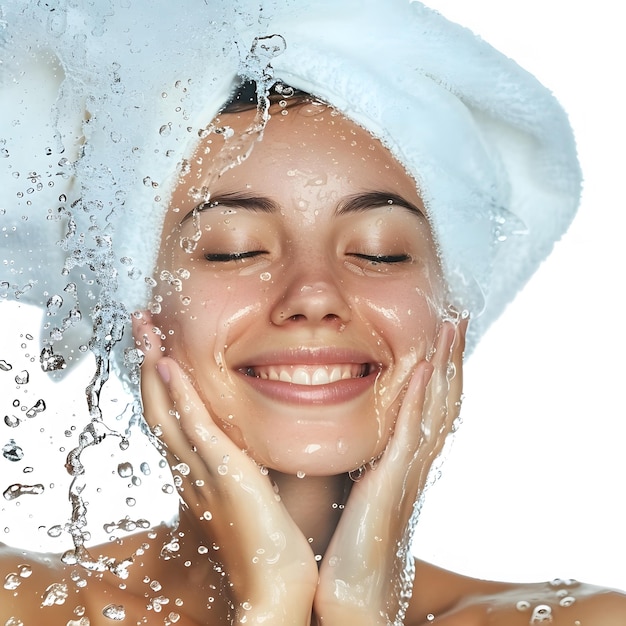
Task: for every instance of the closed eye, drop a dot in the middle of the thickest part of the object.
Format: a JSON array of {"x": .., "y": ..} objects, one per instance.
[
  {"x": 383, "y": 258},
  {"x": 225, "y": 257}
]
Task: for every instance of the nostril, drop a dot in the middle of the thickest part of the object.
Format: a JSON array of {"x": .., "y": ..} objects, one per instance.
[{"x": 297, "y": 317}]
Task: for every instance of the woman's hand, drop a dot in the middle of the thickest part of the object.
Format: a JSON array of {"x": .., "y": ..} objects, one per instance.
[
  {"x": 270, "y": 565},
  {"x": 362, "y": 577}
]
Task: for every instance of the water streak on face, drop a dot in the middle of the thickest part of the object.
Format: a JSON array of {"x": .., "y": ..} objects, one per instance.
[{"x": 312, "y": 289}]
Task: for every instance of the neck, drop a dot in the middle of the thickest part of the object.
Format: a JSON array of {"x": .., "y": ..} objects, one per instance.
[{"x": 315, "y": 503}]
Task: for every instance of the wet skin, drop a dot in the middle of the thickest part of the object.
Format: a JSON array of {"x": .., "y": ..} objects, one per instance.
[
  {"x": 299, "y": 334},
  {"x": 313, "y": 259}
]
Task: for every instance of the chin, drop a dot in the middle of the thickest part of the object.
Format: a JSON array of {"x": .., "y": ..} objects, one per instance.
[{"x": 319, "y": 459}]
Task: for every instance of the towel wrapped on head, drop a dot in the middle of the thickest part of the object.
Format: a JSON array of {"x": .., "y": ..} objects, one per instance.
[{"x": 103, "y": 100}]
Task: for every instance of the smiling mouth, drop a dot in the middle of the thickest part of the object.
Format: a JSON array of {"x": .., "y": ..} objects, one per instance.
[{"x": 311, "y": 375}]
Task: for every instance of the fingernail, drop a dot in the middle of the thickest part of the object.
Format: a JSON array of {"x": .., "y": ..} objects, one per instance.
[{"x": 164, "y": 372}]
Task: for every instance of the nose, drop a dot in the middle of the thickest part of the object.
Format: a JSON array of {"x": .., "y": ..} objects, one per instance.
[{"x": 312, "y": 297}]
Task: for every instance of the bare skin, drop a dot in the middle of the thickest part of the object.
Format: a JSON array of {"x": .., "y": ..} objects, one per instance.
[{"x": 301, "y": 270}]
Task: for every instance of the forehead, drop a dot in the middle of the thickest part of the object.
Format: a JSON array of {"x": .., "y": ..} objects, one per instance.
[{"x": 308, "y": 142}]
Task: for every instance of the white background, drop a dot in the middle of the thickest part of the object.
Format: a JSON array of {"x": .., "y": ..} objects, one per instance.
[{"x": 534, "y": 486}]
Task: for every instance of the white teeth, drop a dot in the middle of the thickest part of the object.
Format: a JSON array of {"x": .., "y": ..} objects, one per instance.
[
  {"x": 301, "y": 377},
  {"x": 320, "y": 377},
  {"x": 309, "y": 376}
]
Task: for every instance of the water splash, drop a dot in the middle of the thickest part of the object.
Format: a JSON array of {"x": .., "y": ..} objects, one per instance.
[
  {"x": 17, "y": 490},
  {"x": 127, "y": 525}
]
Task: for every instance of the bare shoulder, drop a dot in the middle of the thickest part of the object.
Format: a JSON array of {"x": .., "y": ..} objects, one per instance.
[
  {"x": 30, "y": 581},
  {"x": 448, "y": 599},
  {"x": 39, "y": 588}
]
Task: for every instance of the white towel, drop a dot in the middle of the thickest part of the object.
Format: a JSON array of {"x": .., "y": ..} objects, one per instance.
[{"x": 490, "y": 148}]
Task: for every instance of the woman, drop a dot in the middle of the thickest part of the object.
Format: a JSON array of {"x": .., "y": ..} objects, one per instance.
[{"x": 307, "y": 305}]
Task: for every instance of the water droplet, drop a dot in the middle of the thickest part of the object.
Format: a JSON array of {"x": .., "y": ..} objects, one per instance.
[
  {"x": 567, "y": 601},
  {"x": 56, "y": 593},
  {"x": 39, "y": 407},
  {"x": 4, "y": 366},
  {"x": 11, "y": 421},
  {"x": 541, "y": 613},
  {"x": 222, "y": 469},
  {"x": 55, "y": 531},
  {"x": 12, "y": 452},
  {"x": 207, "y": 515},
  {"x": 522, "y": 605},
  {"x": 114, "y": 612},
  {"x": 125, "y": 470},
  {"x": 22, "y": 378},
  {"x": 300, "y": 474},
  {"x": 430, "y": 617},
  {"x": 12, "y": 581},
  {"x": 25, "y": 571},
  {"x": 357, "y": 474},
  {"x": 54, "y": 303},
  {"x": 265, "y": 276}
]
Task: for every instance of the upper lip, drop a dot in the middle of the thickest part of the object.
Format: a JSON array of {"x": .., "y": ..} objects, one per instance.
[{"x": 304, "y": 355}]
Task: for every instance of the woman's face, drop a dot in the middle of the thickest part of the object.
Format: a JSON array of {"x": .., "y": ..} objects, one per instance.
[{"x": 302, "y": 293}]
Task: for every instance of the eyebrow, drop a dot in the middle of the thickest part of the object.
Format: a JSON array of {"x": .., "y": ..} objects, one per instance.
[
  {"x": 356, "y": 203},
  {"x": 360, "y": 202},
  {"x": 249, "y": 202}
]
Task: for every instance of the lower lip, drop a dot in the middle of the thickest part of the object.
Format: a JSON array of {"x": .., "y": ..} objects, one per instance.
[{"x": 332, "y": 393}]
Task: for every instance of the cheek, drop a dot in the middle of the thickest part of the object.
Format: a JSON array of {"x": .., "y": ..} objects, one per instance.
[
  {"x": 205, "y": 317},
  {"x": 410, "y": 323}
]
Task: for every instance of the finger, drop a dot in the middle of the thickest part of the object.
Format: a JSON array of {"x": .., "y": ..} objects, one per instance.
[
  {"x": 158, "y": 408},
  {"x": 220, "y": 456},
  {"x": 456, "y": 372},
  {"x": 154, "y": 395},
  {"x": 233, "y": 483},
  {"x": 407, "y": 434},
  {"x": 437, "y": 406}
]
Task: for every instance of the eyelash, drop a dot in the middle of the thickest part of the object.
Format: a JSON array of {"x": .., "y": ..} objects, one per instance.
[
  {"x": 372, "y": 258},
  {"x": 383, "y": 258},
  {"x": 232, "y": 256}
]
